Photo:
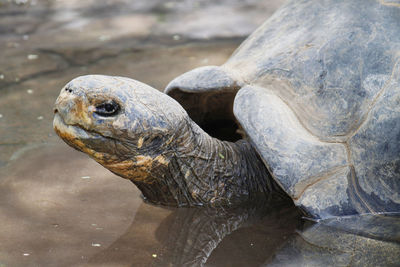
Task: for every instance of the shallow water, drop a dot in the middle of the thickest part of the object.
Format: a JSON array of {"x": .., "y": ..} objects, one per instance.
[{"x": 60, "y": 208}]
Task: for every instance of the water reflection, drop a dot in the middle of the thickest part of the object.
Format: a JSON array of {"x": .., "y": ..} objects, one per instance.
[
  {"x": 266, "y": 234},
  {"x": 244, "y": 236},
  {"x": 364, "y": 240}
]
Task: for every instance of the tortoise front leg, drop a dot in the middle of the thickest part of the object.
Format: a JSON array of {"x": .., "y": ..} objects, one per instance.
[{"x": 314, "y": 173}]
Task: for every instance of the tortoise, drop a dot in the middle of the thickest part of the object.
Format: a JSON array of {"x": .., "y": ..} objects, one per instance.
[{"x": 311, "y": 99}]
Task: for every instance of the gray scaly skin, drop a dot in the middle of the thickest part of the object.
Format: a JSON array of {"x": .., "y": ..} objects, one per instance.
[{"x": 150, "y": 139}]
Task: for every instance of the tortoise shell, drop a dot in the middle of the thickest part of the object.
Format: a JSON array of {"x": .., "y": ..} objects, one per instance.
[{"x": 316, "y": 90}]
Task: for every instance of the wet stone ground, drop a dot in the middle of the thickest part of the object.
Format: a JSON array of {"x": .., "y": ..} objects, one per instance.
[{"x": 60, "y": 208}]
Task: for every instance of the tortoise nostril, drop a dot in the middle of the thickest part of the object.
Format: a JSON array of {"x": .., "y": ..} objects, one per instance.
[
  {"x": 68, "y": 90},
  {"x": 55, "y": 111}
]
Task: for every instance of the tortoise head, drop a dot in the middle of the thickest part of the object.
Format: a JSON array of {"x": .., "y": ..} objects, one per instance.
[
  {"x": 123, "y": 124},
  {"x": 147, "y": 137}
]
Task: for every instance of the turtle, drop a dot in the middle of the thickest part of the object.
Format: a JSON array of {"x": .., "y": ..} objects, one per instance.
[{"x": 308, "y": 104}]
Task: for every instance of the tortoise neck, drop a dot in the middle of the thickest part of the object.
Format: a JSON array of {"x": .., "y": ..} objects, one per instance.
[
  {"x": 203, "y": 170},
  {"x": 233, "y": 172}
]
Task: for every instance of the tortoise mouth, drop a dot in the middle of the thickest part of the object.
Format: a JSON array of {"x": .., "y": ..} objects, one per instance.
[
  {"x": 78, "y": 137},
  {"x": 68, "y": 131}
]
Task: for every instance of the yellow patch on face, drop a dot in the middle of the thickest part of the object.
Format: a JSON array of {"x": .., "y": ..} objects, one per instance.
[
  {"x": 144, "y": 160},
  {"x": 67, "y": 134},
  {"x": 75, "y": 110},
  {"x": 187, "y": 174},
  {"x": 160, "y": 159},
  {"x": 140, "y": 142},
  {"x": 194, "y": 195},
  {"x": 81, "y": 112},
  {"x": 138, "y": 169},
  {"x": 169, "y": 141},
  {"x": 131, "y": 170}
]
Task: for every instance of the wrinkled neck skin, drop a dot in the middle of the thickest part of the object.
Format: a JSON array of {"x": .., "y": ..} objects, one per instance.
[{"x": 197, "y": 170}]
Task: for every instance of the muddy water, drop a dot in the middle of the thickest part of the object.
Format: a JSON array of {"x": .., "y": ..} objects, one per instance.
[{"x": 59, "y": 208}]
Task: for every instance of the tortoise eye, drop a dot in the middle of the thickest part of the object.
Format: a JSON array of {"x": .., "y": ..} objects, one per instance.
[{"x": 107, "y": 109}]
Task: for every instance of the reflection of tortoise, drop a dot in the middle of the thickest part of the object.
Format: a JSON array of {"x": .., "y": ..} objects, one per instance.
[{"x": 316, "y": 91}]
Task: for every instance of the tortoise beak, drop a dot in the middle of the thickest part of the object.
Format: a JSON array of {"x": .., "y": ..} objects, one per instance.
[
  {"x": 65, "y": 104},
  {"x": 72, "y": 108}
]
